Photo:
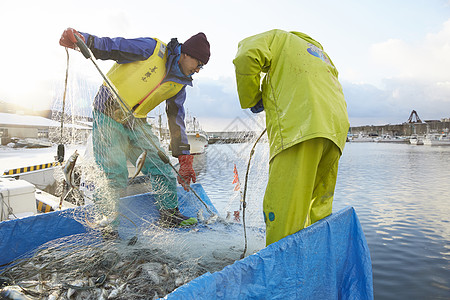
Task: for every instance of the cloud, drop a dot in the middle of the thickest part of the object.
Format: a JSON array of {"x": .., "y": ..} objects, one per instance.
[
  {"x": 370, "y": 105},
  {"x": 431, "y": 99},
  {"x": 398, "y": 74},
  {"x": 215, "y": 103},
  {"x": 423, "y": 59},
  {"x": 366, "y": 104},
  {"x": 415, "y": 76},
  {"x": 213, "y": 97}
]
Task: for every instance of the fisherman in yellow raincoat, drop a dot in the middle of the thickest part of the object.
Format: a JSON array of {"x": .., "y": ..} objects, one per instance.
[{"x": 307, "y": 124}]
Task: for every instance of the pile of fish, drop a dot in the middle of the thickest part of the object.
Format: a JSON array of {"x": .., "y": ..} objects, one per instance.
[{"x": 87, "y": 267}]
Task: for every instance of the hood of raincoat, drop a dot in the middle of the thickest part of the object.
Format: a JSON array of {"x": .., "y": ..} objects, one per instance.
[{"x": 301, "y": 94}]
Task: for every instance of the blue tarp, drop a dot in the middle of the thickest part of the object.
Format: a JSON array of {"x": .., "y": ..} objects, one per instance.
[
  {"x": 140, "y": 210},
  {"x": 20, "y": 236},
  {"x": 328, "y": 260}
]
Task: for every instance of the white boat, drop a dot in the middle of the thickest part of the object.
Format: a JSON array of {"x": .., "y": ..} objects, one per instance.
[
  {"x": 197, "y": 138},
  {"x": 41, "y": 176},
  {"x": 360, "y": 138},
  {"x": 198, "y": 141},
  {"x": 416, "y": 140},
  {"x": 386, "y": 138},
  {"x": 19, "y": 199},
  {"x": 436, "y": 139}
]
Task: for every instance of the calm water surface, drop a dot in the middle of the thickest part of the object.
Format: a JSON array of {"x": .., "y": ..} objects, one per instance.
[{"x": 400, "y": 192}]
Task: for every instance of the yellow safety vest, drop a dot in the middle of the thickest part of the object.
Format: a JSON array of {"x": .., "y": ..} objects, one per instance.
[{"x": 139, "y": 83}]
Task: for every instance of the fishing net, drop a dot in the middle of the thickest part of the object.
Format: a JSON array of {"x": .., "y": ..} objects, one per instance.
[
  {"x": 87, "y": 267},
  {"x": 102, "y": 263}
]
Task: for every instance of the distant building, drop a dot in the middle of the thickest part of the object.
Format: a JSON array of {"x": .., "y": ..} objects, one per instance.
[{"x": 23, "y": 126}]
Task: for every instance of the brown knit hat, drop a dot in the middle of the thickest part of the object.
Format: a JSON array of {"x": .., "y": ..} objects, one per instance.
[{"x": 197, "y": 46}]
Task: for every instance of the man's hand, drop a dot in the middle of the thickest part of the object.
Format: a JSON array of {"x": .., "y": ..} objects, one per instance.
[
  {"x": 186, "y": 171},
  {"x": 259, "y": 107},
  {"x": 68, "y": 38}
]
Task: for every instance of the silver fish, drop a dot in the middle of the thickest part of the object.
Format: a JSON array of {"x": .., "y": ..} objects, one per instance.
[
  {"x": 139, "y": 164},
  {"x": 114, "y": 293},
  {"x": 200, "y": 216},
  {"x": 179, "y": 281},
  {"x": 68, "y": 169},
  {"x": 212, "y": 219},
  {"x": 13, "y": 292},
  {"x": 54, "y": 295}
]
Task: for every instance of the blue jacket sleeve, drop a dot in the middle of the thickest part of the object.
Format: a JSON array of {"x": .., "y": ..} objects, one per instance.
[
  {"x": 120, "y": 49},
  {"x": 175, "y": 115}
]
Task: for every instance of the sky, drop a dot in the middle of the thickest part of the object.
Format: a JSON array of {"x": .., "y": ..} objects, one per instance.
[{"x": 393, "y": 56}]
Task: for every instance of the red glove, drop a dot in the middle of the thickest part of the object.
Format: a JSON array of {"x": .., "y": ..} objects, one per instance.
[
  {"x": 68, "y": 38},
  {"x": 186, "y": 171}
]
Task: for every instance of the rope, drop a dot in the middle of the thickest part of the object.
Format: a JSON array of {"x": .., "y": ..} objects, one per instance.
[
  {"x": 60, "y": 151},
  {"x": 64, "y": 96},
  {"x": 8, "y": 206},
  {"x": 244, "y": 204}
]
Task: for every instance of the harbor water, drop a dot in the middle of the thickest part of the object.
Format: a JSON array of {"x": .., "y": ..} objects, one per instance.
[{"x": 400, "y": 192}]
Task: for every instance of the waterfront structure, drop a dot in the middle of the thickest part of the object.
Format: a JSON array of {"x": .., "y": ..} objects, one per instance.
[
  {"x": 14, "y": 126},
  {"x": 404, "y": 129}
]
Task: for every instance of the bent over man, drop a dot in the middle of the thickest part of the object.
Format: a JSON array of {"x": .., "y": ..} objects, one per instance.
[
  {"x": 147, "y": 72},
  {"x": 306, "y": 121}
]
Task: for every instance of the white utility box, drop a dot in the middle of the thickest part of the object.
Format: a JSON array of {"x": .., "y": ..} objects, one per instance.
[{"x": 17, "y": 199}]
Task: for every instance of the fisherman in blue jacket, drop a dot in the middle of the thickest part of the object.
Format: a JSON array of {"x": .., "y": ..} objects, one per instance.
[{"x": 146, "y": 73}]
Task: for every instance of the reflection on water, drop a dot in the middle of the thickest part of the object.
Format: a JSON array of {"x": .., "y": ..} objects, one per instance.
[{"x": 401, "y": 194}]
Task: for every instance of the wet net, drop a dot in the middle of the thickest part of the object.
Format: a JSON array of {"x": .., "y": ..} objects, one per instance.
[{"x": 145, "y": 260}]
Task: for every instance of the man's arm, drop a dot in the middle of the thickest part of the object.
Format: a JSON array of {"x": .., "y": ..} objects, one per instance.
[
  {"x": 175, "y": 115},
  {"x": 252, "y": 58},
  {"x": 120, "y": 49},
  {"x": 178, "y": 138}
]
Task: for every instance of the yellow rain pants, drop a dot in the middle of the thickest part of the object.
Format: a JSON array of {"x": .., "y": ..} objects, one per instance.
[{"x": 301, "y": 186}]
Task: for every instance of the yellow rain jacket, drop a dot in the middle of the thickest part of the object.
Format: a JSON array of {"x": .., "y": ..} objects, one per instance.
[{"x": 301, "y": 94}]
